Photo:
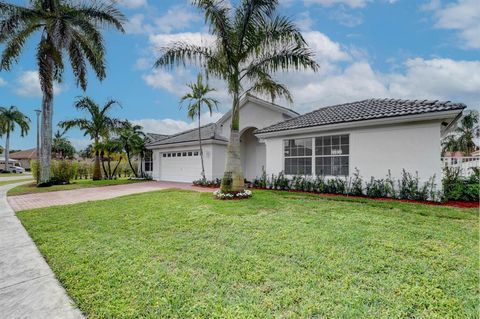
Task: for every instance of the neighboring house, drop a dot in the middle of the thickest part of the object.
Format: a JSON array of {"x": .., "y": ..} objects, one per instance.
[
  {"x": 373, "y": 135},
  {"x": 24, "y": 157}
]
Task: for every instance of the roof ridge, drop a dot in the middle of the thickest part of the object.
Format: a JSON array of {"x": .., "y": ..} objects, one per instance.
[{"x": 188, "y": 131}]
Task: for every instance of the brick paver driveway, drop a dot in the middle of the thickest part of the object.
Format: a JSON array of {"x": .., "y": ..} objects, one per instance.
[{"x": 29, "y": 201}]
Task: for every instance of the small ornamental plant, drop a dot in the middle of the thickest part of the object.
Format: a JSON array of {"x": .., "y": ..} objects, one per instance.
[{"x": 240, "y": 195}]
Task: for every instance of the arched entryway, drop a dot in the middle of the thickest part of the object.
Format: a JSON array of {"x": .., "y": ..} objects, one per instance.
[{"x": 253, "y": 154}]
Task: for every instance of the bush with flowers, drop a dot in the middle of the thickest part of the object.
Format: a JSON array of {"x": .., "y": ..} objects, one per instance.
[{"x": 240, "y": 195}]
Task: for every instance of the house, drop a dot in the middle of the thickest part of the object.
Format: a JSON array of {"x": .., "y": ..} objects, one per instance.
[
  {"x": 25, "y": 157},
  {"x": 375, "y": 136}
]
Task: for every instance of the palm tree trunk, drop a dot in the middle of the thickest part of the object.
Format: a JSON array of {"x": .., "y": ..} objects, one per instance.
[
  {"x": 127, "y": 150},
  {"x": 116, "y": 166},
  {"x": 233, "y": 181},
  {"x": 46, "y": 133},
  {"x": 200, "y": 144},
  {"x": 7, "y": 149},
  {"x": 97, "y": 173},
  {"x": 109, "y": 167},
  {"x": 102, "y": 156}
]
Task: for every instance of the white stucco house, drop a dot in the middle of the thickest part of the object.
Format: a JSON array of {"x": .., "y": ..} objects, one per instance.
[{"x": 374, "y": 135}]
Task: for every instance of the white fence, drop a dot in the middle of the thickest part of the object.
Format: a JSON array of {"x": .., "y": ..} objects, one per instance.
[{"x": 464, "y": 163}]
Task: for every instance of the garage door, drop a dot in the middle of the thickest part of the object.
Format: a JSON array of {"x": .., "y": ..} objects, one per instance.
[{"x": 181, "y": 166}]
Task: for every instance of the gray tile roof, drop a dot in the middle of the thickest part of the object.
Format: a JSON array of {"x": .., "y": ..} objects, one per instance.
[
  {"x": 363, "y": 110},
  {"x": 153, "y": 137},
  {"x": 207, "y": 132}
]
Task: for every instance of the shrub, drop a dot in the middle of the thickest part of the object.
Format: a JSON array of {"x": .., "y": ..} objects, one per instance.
[
  {"x": 34, "y": 169},
  {"x": 208, "y": 183},
  {"x": 376, "y": 188},
  {"x": 336, "y": 186},
  {"x": 356, "y": 185},
  {"x": 62, "y": 172},
  {"x": 457, "y": 187}
]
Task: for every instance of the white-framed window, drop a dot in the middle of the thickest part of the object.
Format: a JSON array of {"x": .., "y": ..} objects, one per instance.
[
  {"x": 332, "y": 155},
  {"x": 148, "y": 161},
  {"x": 320, "y": 155},
  {"x": 298, "y": 156}
]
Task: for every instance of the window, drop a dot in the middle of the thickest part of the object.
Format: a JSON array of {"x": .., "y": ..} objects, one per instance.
[
  {"x": 189, "y": 153},
  {"x": 332, "y": 155},
  {"x": 148, "y": 161},
  {"x": 169, "y": 155},
  {"x": 164, "y": 154},
  {"x": 195, "y": 153},
  {"x": 298, "y": 156},
  {"x": 184, "y": 154}
]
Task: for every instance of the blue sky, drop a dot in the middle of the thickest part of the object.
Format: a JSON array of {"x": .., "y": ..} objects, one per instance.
[{"x": 366, "y": 48}]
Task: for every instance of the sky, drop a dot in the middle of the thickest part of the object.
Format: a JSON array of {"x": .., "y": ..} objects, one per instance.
[{"x": 411, "y": 49}]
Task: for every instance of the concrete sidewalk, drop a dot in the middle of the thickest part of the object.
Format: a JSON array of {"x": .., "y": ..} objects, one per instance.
[
  {"x": 28, "y": 287},
  {"x": 74, "y": 196}
]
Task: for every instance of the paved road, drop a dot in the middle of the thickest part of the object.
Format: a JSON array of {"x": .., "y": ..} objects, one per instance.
[
  {"x": 74, "y": 196},
  {"x": 28, "y": 287}
]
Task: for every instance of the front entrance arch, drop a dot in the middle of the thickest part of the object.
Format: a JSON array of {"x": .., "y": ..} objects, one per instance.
[{"x": 253, "y": 154}]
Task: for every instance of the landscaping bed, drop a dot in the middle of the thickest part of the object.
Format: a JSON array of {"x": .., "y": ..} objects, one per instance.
[{"x": 181, "y": 254}]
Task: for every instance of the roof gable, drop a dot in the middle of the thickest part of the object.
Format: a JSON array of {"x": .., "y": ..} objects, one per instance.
[
  {"x": 250, "y": 98},
  {"x": 207, "y": 132},
  {"x": 363, "y": 110}
]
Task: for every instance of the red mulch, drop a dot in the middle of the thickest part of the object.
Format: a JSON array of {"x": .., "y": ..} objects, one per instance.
[{"x": 450, "y": 203}]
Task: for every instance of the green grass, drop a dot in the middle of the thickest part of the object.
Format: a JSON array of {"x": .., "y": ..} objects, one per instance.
[
  {"x": 13, "y": 181},
  {"x": 181, "y": 254},
  {"x": 81, "y": 183}
]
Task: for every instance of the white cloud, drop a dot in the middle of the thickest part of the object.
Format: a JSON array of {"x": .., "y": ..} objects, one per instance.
[
  {"x": 28, "y": 84},
  {"x": 462, "y": 16},
  {"x": 442, "y": 79},
  {"x": 324, "y": 48},
  {"x": 3, "y": 82},
  {"x": 133, "y": 3},
  {"x": 176, "y": 18},
  {"x": 304, "y": 21},
  {"x": 329, "y": 3},
  {"x": 161, "y": 40},
  {"x": 171, "y": 126},
  {"x": 135, "y": 25},
  {"x": 346, "y": 18}
]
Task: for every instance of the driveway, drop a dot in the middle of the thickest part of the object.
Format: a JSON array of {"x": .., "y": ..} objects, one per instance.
[{"x": 39, "y": 200}]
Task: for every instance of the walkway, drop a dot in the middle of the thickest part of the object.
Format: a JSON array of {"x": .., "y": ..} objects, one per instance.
[
  {"x": 74, "y": 196},
  {"x": 28, "y": 288}
]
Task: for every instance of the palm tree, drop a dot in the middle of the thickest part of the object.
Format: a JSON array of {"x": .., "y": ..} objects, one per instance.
[
  {"x": 196, "y": 98},
  {"x": 97, "y": 126},
  {"x": 467, "y": 131},
  {"x": 110, "y": 149},
  {"x": 9, "y": 117},
  {"x": 65, "y": 27},
  {"x": 132, "y": 139},
  {"x": 62, "y": 146},
  {"x": 251, "y": 43},
  {"x": 463, "y": 137}
]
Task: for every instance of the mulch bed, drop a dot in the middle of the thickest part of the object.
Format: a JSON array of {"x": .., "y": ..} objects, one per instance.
[{"x": 450, "y": 203}]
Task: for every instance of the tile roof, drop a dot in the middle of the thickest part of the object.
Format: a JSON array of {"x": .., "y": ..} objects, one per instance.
[
  {"x": 152, "y": 137},
  {"x": 25, "y": 154},
  {"x": 207, "y": 132},
  {"x": 363, "y": 110}
]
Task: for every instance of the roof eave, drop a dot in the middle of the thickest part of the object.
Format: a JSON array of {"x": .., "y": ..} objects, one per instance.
[
  {"x": 451, "y": 114},
  {"x": 186, "y": 143}
]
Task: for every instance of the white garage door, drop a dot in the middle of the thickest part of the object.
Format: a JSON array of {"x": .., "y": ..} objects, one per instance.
[{"x": 180, "y": 166}]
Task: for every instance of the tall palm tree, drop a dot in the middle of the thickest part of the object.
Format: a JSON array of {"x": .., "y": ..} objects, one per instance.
[
  {"x": 70, "y": 27},
  {"x": 9, "y": 118},
  {"x": 98, "y": 125},
  {"x": 62, "y": 146},
  {"x": 197, "y": 97},
  {"x": 132, "y": 139},
  {"x": 251, "y": 43}
]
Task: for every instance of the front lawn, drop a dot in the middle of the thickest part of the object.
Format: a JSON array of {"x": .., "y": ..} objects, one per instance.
[
  {"x": 12, "y": 181},
  {"x": 181, "y": 254},
  {"x": 80, "y": 183}
]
